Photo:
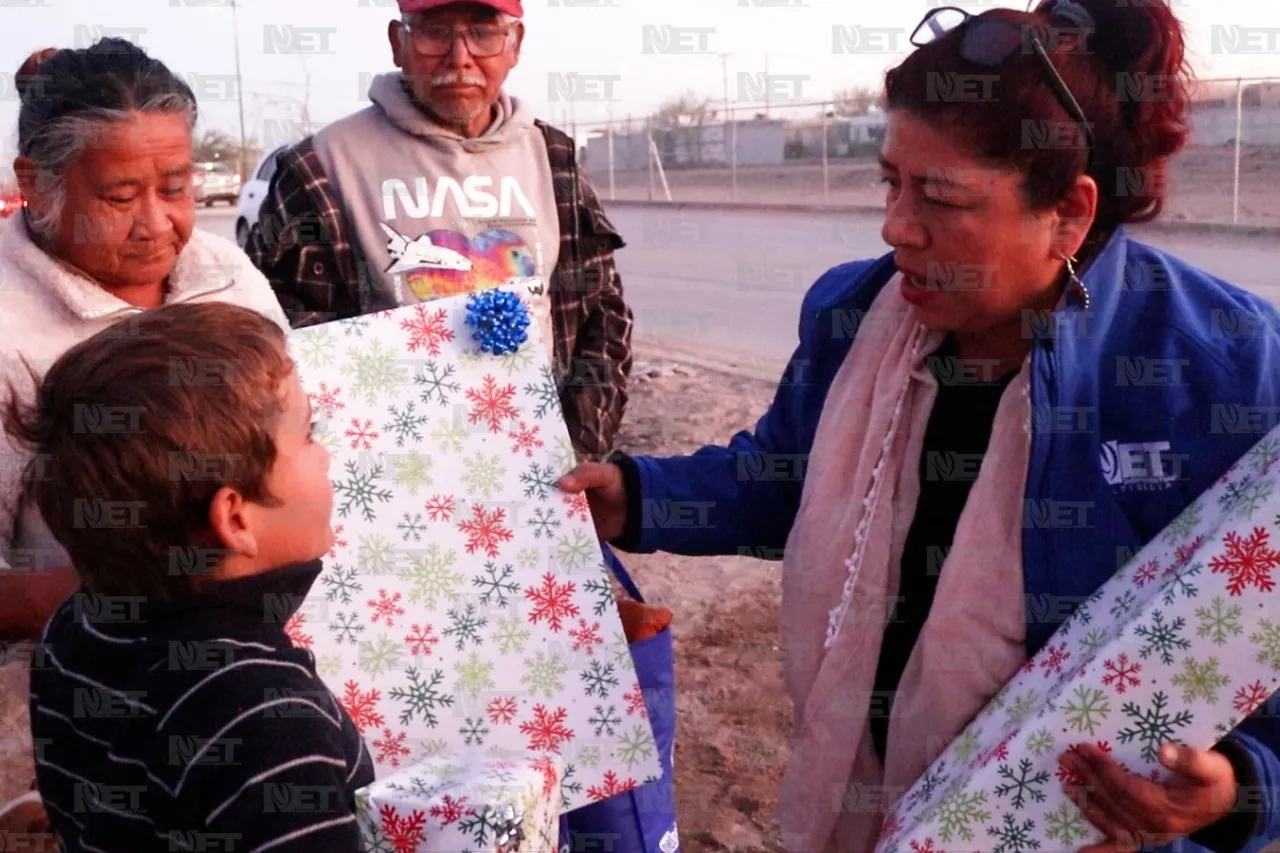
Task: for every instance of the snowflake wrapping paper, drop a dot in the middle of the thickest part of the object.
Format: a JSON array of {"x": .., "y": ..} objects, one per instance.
[
  {"x": 1179, "y": 646},
  {"x": 460, "y": 803},
  {"x": 465, "y": 604}
]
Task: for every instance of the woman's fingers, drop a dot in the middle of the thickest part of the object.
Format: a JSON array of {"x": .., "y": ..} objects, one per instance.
[{"x": 588, "y": 475}]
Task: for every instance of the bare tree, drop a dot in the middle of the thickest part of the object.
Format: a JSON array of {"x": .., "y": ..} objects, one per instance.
[
  {"x": 687, "y": 110},
  {"x": 855, "y": 101},
  {"x": 214, "y": 145},
  {"x": 678, "y": 124}
]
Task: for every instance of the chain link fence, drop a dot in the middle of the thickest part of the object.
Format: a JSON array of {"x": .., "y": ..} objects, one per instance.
[{"x": 801, "y": 153}]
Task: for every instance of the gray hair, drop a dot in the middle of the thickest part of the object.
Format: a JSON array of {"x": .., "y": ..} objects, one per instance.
[{"x": 69, "y": 102}]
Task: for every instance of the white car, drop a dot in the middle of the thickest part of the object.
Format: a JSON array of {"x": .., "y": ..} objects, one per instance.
[
  {"x": 215, "y": 182},
  {"x": 252, "y": 194}
]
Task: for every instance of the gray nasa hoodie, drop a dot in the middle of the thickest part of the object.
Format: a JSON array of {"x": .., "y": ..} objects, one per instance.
[{"x": 434, "y": 214}]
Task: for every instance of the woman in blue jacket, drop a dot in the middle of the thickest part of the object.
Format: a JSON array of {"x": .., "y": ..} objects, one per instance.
[{"x": 999, "y": 414}]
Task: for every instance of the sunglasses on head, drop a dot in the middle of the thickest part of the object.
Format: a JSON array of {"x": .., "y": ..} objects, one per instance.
[{"x": 990, "y": 42}]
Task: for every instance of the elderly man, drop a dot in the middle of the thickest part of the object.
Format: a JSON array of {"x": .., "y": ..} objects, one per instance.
[{"x": 446, "y": 185}]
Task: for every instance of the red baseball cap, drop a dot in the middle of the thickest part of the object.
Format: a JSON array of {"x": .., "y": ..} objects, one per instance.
[{"x": 510, "y": 7}]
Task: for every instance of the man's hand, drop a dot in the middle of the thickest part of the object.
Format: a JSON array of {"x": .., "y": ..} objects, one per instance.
[{"x": 1134, "y": 812}]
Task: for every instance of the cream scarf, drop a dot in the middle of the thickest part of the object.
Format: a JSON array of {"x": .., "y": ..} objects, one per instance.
[{"x": 841, "y": 572}]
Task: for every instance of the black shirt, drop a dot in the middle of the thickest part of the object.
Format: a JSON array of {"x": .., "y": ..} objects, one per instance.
[
  {"x": 193, "y": 727},
  {"x": 954, "y": 445}
]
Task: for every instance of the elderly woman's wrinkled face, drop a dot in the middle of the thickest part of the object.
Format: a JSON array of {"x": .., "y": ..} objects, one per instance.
[
  {"x": 128, "y": 207},
  {"x": 973, "y": 256}
]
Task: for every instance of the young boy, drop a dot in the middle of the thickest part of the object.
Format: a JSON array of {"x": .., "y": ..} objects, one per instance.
[{"x": 170, "y": 711}]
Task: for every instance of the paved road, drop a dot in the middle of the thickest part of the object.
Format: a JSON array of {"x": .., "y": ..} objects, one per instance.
[
  {"x": 737, "y": 279},
  {"x": 731, "y": 283}
]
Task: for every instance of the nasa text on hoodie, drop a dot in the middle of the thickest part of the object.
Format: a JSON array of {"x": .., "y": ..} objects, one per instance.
[{"x": 434, "y": 214}]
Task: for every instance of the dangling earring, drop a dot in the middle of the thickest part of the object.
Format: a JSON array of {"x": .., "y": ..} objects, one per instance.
[{"x": 1074, "y": 282}]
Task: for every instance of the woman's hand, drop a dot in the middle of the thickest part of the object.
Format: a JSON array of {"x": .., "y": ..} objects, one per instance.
[
  {"x": 608, "y": 499},
  {"x": 29, "y": 598},
  {"x": 1136, "y": 813}
]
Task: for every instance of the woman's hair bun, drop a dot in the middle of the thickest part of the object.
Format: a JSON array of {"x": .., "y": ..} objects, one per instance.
[
  {"x": 27, "y": 79},
  {"x": 1142, "y": 45}
]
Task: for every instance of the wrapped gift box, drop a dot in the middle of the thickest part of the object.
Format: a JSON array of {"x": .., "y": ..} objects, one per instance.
[
  {"x": 461, "y": 802},
  {"x": 1180, "y": 646},
  {"x": 465, "y": 605}
]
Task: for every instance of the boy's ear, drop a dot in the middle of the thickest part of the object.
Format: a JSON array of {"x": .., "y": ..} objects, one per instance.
[{"x": 229, "y": 520}]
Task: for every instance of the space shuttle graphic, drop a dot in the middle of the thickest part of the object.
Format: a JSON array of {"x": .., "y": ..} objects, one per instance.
[{"x": 421, "y": 253}]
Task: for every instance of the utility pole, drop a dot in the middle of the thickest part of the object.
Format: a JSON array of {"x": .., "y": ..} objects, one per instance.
[
  {"x": 573, "y": 123},
  {"x": 235, "y": 38},
  {"x": 306, "y": 97},
  {"x": 767, "y": 87},
  {"x": 724, "y": 65},
  {"x": 728, "y": 117}
]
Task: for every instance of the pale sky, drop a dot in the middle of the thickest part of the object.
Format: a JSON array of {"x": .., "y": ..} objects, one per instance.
[{"x": 605, "y": 38}]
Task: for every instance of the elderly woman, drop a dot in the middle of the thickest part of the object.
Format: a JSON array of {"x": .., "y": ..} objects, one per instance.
[
  {"x": 985, "y": 365},
  {"x": 104, "y": 160}
]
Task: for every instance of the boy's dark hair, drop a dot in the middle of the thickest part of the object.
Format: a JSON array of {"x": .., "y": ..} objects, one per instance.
[{"x": 136, "y": 428}]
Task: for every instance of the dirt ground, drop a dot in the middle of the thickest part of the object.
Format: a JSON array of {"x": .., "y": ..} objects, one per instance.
[
  {"x": 734, "y": 718},
  {"x": 1200, "y": 181}
]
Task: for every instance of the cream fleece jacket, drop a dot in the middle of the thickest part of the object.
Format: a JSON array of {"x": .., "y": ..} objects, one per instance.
[{"x": 46, "y": 308}]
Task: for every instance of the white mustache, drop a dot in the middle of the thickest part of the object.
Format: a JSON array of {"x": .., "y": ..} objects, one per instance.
[{"x": 452, "y": 78}]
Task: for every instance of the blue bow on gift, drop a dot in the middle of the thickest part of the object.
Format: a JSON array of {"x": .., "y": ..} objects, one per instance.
[{"x": 499, "y": 320}]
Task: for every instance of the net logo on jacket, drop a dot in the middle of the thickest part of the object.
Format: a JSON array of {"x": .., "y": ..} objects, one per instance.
[{"x": 1138, "y": 465}]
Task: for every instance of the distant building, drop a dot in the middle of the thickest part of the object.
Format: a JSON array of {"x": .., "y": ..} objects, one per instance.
[
  {"x": 846, "y": 136},
  {"x": 1214, "y": 119},
  {"x": 757, "y": 142},
  {"x": 765, "y": 141}
]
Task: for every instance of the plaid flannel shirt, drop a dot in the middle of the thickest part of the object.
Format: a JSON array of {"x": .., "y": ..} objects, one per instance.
[{"x": 303, "y": 246}]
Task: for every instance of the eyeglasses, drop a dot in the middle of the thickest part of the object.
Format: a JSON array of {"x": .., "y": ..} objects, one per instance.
[
  {"x": 482, "y": 40},
  {"x": 990, "y": 42}
]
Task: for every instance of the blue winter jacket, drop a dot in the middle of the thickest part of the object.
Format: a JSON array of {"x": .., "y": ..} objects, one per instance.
[{"x": 1139, "y": 404}]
